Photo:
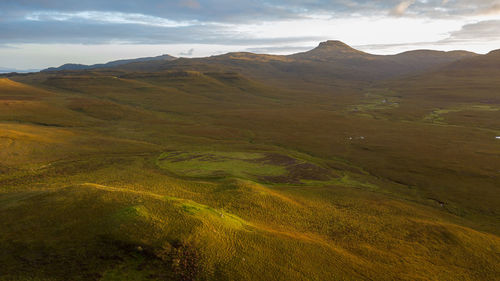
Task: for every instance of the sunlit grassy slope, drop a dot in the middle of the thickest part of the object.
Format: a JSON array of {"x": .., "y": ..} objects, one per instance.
[{"x": 211, "y": 175}]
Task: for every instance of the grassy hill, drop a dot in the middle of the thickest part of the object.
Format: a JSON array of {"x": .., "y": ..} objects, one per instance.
[{"x": 229, "y": 168}]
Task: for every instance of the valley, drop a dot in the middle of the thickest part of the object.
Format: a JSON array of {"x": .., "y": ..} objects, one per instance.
[{"x": 331, "y": 164}]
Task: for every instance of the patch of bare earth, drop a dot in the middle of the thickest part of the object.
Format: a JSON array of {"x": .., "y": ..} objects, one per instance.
[{"x": 296, "y": 170}]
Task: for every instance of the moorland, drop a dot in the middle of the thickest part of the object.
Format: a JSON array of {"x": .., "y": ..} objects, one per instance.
[{"x": 332, "y": 164}]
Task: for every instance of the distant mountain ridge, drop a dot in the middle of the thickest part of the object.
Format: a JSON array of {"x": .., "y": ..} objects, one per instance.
[
  {"x": 6, "y": 70},
  {"x": 330, "y": 62},
  {"x": 12, "y": 70},
  {"x": 72, "y": 66}
]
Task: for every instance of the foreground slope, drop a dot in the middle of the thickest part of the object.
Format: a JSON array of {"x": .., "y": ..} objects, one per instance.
[{"x": 205, "y": 172}]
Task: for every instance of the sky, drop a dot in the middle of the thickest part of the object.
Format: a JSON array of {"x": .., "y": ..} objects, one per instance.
[{"x": 35, "y": 34}]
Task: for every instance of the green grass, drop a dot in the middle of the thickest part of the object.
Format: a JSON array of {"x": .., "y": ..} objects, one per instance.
[
  {"x": 373, "y": 104},
  {"x": 218, "y": 164},
  {"x": 130, "y": 213},
  {"x": 345, "y": 180},
  {"x": 208, "y": 213},
  {"x": 439, "y": 115}
]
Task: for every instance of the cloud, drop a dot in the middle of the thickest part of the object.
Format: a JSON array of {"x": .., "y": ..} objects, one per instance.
[
  {"x": 91, "y": 32},
  {"x": 7, "y": 46},
  {"x": 244, "y": 11},
  {"x": 483, "y": 30},
  {"x": 481, "y": 37},
  {"x": 107, "y": 17},
  {"x": 492, "y": 10},
  {"x": 188, "y": 53},
  {"x": 401, "y": 8},
  {"x": 193, "y": 4},
  {"x": 278, "y": 49},
  {"x": 232, "y": 11},
  {"x": 178, "y": 10}
]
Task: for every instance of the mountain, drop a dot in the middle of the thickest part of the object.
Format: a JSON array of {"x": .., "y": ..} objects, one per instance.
[
  {"x": 334, "y": 50},
  {"x": 385, "y": 66},
  {"x": 71, "y": 66},
  {"x": 10, "y": 70},
  {"x": 330, "y": 51},
  {"x": 7, "y": 70},
  {"x": 471, "y": 80},
  {"x": 485, "y": 64},
  {"x": 331, "y": 62},
  {"x": 419, "y": 61}
]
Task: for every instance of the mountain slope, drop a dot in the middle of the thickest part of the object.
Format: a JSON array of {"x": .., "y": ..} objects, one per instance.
[
  {"x": 71, "y": 66},
  {"x": 478, "y": 65},
  {"x": 332, "y": 62},
  {"x": 471, "y": 79},
  {"x": 330, "y": 51}
]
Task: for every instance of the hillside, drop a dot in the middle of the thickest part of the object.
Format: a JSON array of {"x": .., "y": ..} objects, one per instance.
[
  {"x": 117, "y": 63},
  {"x": 469, "y": 81},
  {"x": 332, "y": 63},
  {"x": 331, "y": 164}
]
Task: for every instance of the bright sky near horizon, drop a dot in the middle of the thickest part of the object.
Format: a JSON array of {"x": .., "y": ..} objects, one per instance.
[{"x": 35, "y": 34}]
